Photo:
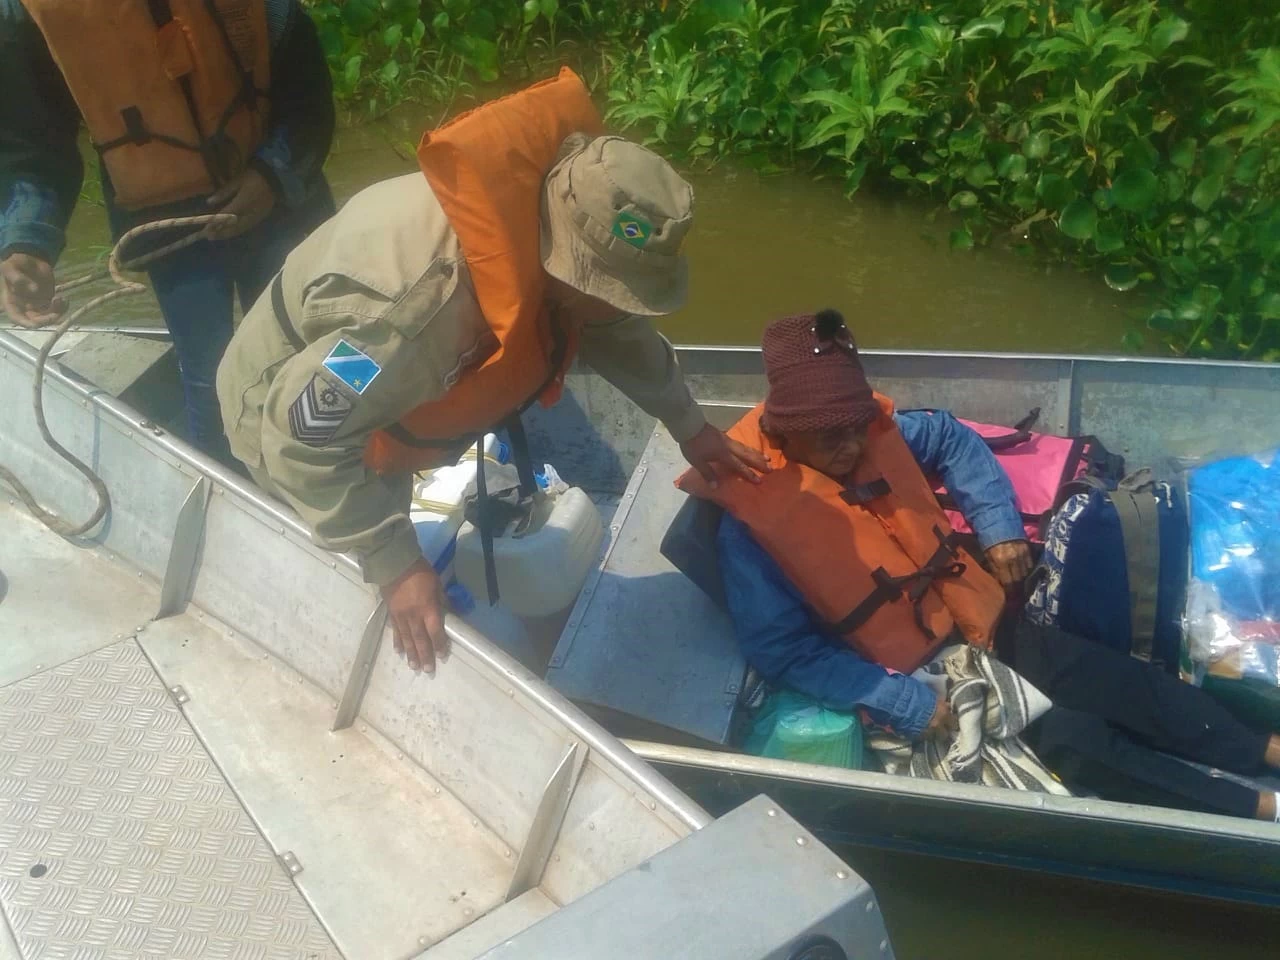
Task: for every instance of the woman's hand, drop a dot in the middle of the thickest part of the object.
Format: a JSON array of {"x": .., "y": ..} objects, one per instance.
[
  {"x": 943, "y": 723},
  {"x": 1010, "y": 562}
]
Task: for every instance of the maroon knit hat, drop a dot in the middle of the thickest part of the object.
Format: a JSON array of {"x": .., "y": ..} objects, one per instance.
[{"x": 816, "y": 381}]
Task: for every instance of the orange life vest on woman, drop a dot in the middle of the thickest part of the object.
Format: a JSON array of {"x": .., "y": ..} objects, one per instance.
[
  {"x": 173, "y": 91},
  {"x": 486, "y": 169},
  {"x": 873, "y": 557}
]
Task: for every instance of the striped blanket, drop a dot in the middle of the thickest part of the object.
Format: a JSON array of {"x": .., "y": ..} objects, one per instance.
[{"x": 993, "y": 706}]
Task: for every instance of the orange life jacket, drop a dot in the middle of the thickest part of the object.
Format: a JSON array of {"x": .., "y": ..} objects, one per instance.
[
  {"x": 172, "y": 91},
  {"x": 486, "y": 168},
  {"x": 873, "y": 557}
]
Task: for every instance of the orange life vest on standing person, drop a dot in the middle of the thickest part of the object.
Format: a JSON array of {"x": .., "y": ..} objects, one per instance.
[
  {"x": 486, "y": 168},
  {"x": 173, "y": 91},
  {"x": 873, "y": 557}
]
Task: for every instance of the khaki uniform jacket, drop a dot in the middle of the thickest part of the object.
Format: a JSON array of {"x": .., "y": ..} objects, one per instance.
[{"x": 386, "y": 277}]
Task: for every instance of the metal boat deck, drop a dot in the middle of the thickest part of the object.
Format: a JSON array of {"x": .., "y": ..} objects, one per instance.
[{"x": 168, "y": 776}]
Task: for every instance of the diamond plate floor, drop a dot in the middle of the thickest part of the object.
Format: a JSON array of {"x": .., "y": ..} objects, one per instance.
[{"x": 119, "y": 838}]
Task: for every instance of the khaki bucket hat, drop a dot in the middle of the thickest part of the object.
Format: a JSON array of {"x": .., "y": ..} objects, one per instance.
[{"x": 614, "y": 216}]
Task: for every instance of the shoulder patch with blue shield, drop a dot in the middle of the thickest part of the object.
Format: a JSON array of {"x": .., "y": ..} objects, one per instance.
[{"x": 354, "y": 368}]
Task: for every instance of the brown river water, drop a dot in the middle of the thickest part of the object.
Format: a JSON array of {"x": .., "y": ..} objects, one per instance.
[{"x": 766, "y": 246}]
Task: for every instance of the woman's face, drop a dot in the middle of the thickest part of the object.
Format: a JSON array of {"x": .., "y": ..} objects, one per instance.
[{"x": 834, "y": 452}]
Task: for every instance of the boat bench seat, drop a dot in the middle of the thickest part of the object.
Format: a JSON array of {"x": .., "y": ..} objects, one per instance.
[{"x": 645, "y": 647}]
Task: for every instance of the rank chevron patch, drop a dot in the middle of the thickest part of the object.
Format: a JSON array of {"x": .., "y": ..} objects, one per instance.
[{"x": 321, "y": 408}]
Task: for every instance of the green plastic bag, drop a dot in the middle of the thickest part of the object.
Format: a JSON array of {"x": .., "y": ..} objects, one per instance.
[{"x": 791, "y": 726}]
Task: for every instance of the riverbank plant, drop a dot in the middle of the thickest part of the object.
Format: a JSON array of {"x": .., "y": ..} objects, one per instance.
[{"x": 1138, "y": 138}]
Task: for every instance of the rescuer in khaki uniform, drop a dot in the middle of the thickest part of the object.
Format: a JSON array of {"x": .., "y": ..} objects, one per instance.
[{"x": 432, "y": 308}]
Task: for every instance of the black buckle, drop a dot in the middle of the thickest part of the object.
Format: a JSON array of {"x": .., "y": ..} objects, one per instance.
[
  {"x": 135, "y": 129},
  {"x": 862, "y": 493}
]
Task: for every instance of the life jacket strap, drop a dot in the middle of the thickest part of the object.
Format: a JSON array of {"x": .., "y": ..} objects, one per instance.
[
  {"x": 860, "y": 494},
  {"x": 944, "y": 564}
]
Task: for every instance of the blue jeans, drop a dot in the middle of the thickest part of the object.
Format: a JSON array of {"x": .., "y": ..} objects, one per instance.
[{"x": 197, "y": 289}]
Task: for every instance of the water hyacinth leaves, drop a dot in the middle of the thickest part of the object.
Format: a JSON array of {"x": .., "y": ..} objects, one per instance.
[
  {"x": 1207, "y": 191},
  {"x": 1013, "y": 167},
  {"x": 1079, "y": 220},
  {"x": 1118, "y": 136},
  {"x": 1121, "y": 277},
  {"x": 1135, "y": 190},
  {"x": 1108, "y": 237},
  {"x": 1036, "y": 146}
]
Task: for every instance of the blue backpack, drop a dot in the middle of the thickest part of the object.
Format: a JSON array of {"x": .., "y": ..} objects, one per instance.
[{"x": 1114, "y": 567}]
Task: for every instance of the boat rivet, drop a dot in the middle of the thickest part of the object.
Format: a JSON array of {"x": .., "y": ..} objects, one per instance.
[
  {"x": 802, "y": 842},
  {"x": 842, "y": 875},
  {"x": 422, "y": 941},
  {"x": 773, "y": 813},
  {"x": 39, "y": 666},
  {"x": 475, "y": 823},
  {"x": 437, "y": 791},
  {"x": 468, "y": 911},
  {"x": 364, "y": 728},
  {"x": 507, "y": 854},
  {"x": 653, "y": 805},
  {"x": 510, "y": 692},
  {"x": 556, "y": 858}
]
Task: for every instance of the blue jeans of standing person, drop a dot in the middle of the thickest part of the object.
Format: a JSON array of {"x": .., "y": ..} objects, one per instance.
[{"x": 197, "y": 289}]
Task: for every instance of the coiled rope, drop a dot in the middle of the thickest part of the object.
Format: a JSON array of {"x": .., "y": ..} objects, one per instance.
[{"x": 124, "y": 287}]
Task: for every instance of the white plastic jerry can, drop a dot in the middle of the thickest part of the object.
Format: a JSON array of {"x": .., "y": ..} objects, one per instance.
[
  {"x": 438, "y": 495},
  {"x": 542, "y": 568}
]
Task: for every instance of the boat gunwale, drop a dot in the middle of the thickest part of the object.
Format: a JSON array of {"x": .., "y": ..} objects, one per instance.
[
  {"x": 695, "y": 349},
  {"x": 1071, "y": 807}
]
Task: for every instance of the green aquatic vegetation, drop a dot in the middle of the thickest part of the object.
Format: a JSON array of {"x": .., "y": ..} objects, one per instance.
[{"x": 1135, "y": 138}]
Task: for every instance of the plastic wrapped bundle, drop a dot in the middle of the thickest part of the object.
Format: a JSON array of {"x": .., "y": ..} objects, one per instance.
[
  {"x": 791, "y": 726},
  {"x": 1233, "y": 601}
]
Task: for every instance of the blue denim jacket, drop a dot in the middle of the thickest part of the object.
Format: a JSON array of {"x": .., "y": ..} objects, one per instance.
[{"x": 775, "y": 630}]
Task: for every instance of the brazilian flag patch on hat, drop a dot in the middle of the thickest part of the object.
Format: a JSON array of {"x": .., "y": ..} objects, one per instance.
[{"x": 632, "y": 228}]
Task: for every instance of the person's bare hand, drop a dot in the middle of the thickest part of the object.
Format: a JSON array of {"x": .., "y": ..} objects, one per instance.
[
  {"x": 1010, "y": 562},
  {"x": 28, "y": 290},
  {"x": 249, "y": 198},
  {"x": 714, "y": 455},
  {"x": 415, "y": 609},
  {"x": 943, "y": 722}
]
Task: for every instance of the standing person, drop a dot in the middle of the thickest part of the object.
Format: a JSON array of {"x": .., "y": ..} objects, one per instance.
[
  {"x": 193, "y": 108},
  {"x": 435, "y": 306},
  {"x": 842, "y": 577}
]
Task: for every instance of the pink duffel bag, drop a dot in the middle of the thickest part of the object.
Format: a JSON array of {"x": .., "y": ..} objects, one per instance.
[{"x": 1038, "y": 465}]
